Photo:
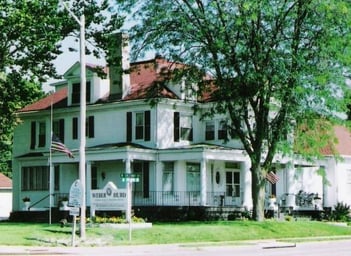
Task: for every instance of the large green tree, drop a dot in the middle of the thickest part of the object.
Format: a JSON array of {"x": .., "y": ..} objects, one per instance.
[
  {"x": 274, "y": 62},
  {"x": 30, "y": 35}
]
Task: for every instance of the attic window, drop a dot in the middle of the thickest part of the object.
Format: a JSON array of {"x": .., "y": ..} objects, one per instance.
[{"x": 76, "y": 93}]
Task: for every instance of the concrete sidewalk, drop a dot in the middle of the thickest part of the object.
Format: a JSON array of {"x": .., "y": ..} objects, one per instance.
[{"x": 184, "y": 249}]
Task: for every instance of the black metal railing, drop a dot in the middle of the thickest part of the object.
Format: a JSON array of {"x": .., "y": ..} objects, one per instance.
[
  {"x": 38, "y": 202},
  {"x": 183, "y": 198},
  {"x": 58, "y": 197}
]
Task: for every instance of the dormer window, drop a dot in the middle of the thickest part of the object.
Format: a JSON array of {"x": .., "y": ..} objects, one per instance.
[
  {"x": 188, "y": 91},
  {"x": 76, "y": 93}
]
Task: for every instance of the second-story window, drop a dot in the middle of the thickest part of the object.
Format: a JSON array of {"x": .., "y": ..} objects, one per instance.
[
  {"x": 139, "y": 126},
  {"x": 76, "y": 93},
  {"x": 183, "y": 127},
  {"x": 186, "y": 127},
  {"x": 42, "y": 134},
  {"x": 142, "y": 125},
  {"x": 58, "y": 129},
  {"x": 210, "y": 130},
  {"x": 215, "y": 130},
  {"x": 75, "y": 128},
  {"x": 222, "y": 130},
  {"x": 33, "y": 135},
  {"x": 89, "y": 128}
]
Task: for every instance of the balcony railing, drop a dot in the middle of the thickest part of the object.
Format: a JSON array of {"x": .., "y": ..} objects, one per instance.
[{"x": 182, "y": 198}]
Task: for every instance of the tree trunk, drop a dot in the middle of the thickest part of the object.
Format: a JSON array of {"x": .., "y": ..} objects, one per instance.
[{"x": 258, "y": 192}]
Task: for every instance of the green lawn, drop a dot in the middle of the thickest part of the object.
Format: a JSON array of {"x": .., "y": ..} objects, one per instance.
[{"x": 188, "y": 232}]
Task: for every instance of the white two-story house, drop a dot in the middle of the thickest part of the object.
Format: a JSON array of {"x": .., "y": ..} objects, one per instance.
[{"x": 181, "y": 160}]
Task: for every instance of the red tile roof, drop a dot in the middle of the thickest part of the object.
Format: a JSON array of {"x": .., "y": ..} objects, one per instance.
[
  {"x": 5, "y": 182},
  {"x": 343, "y": 145},
  {"x": 45, "y": 103},
  {"x": 146, "y": 79}
]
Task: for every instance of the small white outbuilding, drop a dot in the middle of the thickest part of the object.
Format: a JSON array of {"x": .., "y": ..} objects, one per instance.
[{"x": 5, "y": 196}]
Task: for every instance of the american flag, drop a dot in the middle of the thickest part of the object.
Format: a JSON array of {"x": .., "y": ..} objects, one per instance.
[
  {"x": 57, "y": 145},
  {"x": 272, "y": 177}
]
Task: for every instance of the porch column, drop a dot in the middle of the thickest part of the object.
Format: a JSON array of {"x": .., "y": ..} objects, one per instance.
[
  {"x": 158, "y": 178},
  {"x": 289, "y": 183},
  {"x": 88, "y": 182},
  {"x": 246, "y": 187},
  {"x": 203, "y": 183}
]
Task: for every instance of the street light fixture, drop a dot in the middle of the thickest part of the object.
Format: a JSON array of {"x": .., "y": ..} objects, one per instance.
[{"x": 81, "y": 23}]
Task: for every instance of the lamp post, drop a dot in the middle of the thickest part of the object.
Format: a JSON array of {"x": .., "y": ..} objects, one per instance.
[{"x": 81, "y": 23}]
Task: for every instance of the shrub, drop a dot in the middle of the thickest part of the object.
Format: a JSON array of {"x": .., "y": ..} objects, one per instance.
[
  {"x": 288, "y": 218},
  {"x": 341, "y": 212},
  {"x": 116, "y": 220}
]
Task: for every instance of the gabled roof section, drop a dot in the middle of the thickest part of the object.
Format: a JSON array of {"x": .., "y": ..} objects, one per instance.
[
  {"x": 148, "y": 79},
  {"x": 57, "y": 99},
  {"x": 74, "y": 70},
  {"x": 5, "y": 182}
]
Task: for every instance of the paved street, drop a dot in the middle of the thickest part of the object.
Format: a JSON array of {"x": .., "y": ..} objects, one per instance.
[{"x": 264, "y": 248}]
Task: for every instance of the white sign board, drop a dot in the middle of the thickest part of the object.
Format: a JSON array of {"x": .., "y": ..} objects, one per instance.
[
  {"x": 76, "y": 194},
  {"x": 74, "y": 211},
  {"x": 109, "y": 198}
]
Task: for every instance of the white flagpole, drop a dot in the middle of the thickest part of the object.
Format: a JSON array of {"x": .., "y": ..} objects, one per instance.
[
  {"x": 51, "y": 171},
  {"x": 82, "y": 126}
]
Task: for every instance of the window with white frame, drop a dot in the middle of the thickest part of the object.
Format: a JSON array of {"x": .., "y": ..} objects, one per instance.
[
  {"x": 193, "y": 177},
  {"x": 215, "y": 130},
  {"x": 42, "y": 134},
  {"x": 75, "y": 98},
  {"x": 222, "y": 130},
  {"x": 168, "y": 177},
  {"x": 186, "y": 127},
  {"x": 90, "y": 127},
  {"x": 58, "y": 129},
  {"x": 139, "y": 125},
  {"x": 232, "y": 179},
  {"x": 233, "y": 183},
  {"x": 183, "y": 126},
  {"x": 141, "y": 122},
  {"x": 35, "y": 178},
  {"x": 210, "y": 130}
]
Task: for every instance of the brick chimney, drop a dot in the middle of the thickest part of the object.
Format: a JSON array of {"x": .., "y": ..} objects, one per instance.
[{"x": 118, "y": 59}]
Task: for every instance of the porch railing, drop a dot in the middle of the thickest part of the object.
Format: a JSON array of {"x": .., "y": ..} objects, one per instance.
[{"x": 183, "y": 198}]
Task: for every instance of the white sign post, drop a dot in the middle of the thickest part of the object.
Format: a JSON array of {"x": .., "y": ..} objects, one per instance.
[
  {"x": 129, "y": 178},
  {"x": 74, "y": 202}
]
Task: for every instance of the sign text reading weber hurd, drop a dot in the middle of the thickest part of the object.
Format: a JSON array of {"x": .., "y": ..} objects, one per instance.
[{"x": 109, "y": 198}]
